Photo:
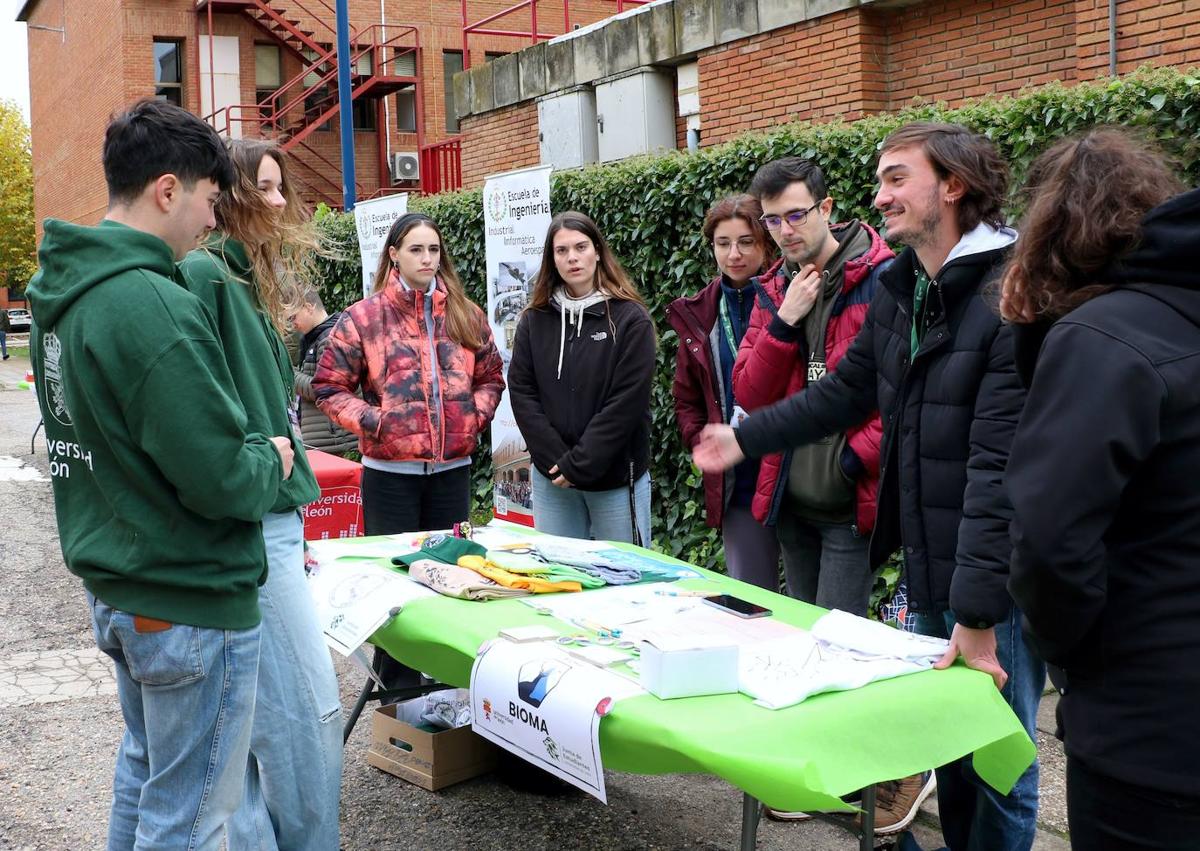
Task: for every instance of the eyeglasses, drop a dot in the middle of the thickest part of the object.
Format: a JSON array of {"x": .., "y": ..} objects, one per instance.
[
  {"x": 796, "y": 218},
  {"x": 744, "y": 244}
]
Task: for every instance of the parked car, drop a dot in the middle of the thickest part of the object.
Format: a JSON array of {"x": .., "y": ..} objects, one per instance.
[{"x": 19, "y": 319}]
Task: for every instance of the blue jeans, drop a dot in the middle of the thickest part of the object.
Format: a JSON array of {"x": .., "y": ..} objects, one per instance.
[
  {"x": 827, "y": 564},
  {"x": 600, "y": 515},
  {"x": 187, "y": 695},
  {"x": 974, "y": 816},
  {"x": 294, "y": 775}
]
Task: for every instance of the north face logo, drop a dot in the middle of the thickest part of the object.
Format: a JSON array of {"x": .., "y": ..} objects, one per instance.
[{"x": 600, "y": 335}]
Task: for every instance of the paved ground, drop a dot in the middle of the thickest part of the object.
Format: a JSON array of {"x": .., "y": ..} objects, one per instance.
[{"x": 61, "y": 728}]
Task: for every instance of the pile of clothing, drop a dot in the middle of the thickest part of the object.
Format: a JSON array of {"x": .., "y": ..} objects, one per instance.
[{"x": 457, "y": 567}]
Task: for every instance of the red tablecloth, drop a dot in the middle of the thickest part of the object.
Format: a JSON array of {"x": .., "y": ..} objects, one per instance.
[{"x": 338, "y": 513}]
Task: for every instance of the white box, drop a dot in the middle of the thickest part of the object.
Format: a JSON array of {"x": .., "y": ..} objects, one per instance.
[{"x": 688, "y": 667}]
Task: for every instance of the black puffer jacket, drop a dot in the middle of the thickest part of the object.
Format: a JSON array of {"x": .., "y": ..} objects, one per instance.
[
  {"x": 1107, "y": 523},
  {"x": 948, "y": 421}
]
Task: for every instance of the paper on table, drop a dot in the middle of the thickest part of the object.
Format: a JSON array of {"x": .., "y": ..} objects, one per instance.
[
  {"x": 534, "y": 700},
  {"x": 354, "y": 599},
  {"x": 614, "y": 607},
  {"x": 384, "y": 546}
]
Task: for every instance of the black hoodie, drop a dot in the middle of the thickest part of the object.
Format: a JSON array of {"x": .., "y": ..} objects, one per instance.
[{"x": 1106, "y": 531}]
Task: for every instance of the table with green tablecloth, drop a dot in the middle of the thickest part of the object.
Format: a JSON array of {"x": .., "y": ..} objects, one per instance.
[{"x": 804, "y": 757}]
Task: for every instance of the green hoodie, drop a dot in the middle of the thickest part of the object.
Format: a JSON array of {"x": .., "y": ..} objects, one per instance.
[
  {"x": 254, "y": 351},
  {"x": 158, "y": 487}
]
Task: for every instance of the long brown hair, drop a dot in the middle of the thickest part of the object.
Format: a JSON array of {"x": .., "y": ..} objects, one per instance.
[
  {"x": 1087, "y": 196},
  {"x": 954, "y": 150},
  {"x": 746, "y": 208},
  {"x": 610, "y": 274},
  {"x": 281, "y": 244},
  {"x": 462, "y": 314}
]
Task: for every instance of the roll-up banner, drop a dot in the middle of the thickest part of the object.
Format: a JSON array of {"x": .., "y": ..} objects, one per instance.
[{"x": 516, "y": 215}]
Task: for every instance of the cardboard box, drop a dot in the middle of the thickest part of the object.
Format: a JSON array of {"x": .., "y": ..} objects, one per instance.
[
  {"x": 688, "y": 667},
  {"x": 430, "y": 760}
]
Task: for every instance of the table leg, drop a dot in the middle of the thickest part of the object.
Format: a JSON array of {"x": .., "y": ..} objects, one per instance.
[
  {"x": 751, "y": 812},
  {"x": 866, "y": 840},
  {"x": 359, "y": 705}
]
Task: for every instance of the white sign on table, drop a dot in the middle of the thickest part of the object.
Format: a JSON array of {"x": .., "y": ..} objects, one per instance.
[
  {"x": 536, "y": 701},
  {"x": 355, "y": 598},
  {"x": 374, "y": 219}
]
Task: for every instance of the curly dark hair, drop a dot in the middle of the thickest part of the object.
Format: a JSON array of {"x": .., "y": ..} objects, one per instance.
[
  {"x": 1086, "y": 196},
  {"x": 954, "y": 150}
]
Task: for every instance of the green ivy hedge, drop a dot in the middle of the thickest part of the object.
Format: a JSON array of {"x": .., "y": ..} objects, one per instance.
[{"x": 651, "y": 208}]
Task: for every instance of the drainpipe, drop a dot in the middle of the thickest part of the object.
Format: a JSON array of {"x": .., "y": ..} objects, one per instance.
[{"x": 1112, "y": 37}]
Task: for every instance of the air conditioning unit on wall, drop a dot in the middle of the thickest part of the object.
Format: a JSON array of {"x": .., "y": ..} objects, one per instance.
[{"x": 405, "y": 166}]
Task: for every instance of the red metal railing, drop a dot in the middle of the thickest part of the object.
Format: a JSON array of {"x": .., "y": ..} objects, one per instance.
[
  {"x": 441, "y": 166},
  {"x": 480, "y": 27}
]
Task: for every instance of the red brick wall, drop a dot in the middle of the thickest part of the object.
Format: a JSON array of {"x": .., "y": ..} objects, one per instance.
[
  {"x": 813, "y": 71},
  {"x": 960, "y": 49},
  {"x": 499, "y": 141},
  {"x": 75, "y": 87}
]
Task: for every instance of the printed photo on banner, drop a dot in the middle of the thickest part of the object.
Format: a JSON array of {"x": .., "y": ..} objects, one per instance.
[
  {"x": 516, "y": 214},
  {"x": 373, "y": 219}
]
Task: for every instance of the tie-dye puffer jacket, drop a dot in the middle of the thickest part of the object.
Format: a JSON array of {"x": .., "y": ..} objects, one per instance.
[{"x": 381, "y": 345}]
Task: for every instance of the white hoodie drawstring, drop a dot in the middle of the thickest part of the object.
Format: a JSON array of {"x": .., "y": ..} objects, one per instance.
[{"x": 574, "y": 307}]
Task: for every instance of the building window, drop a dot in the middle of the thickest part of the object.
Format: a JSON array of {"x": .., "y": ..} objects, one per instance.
[
  {"x": 363, "y": 112},
  {"x": 489, "y": 55},
  {"x": 268, "y": 71},
  {"x": 168, "y": 70},
  {"x": 404, "y": 64},
  {"x": 406, "y": 110},
  {"x": 452, "y": 63}
]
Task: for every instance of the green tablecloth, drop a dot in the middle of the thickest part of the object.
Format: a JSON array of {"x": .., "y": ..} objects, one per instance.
[{"x": 801, "y": 758}]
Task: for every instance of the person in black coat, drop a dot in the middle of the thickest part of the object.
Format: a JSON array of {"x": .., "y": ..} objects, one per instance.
[
  {"x": 1106, "y": 525},
  {"x": 579, "y": 383},
  {"x": 936, "y": 361}
]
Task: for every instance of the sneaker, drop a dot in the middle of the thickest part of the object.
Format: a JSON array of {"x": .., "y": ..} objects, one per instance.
[
  {"x": 784, "y": 815},
  {"x": 897, "y": 801}
]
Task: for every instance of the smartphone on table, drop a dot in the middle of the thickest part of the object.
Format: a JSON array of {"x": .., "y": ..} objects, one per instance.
[{"x": 737, "y": 606}]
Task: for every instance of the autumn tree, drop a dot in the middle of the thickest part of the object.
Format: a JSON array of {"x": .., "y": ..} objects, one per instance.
[{"x": 17, "y": 240}]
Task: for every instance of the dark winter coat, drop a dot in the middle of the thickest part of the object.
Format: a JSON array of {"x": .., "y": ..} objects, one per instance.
[
  {"x": 1106, "y": 532},
  {"x": 593, "y": 419},
  {"x": 948, "y": 421}
]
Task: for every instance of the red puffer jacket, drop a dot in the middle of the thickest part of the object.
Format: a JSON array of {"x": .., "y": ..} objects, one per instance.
[
  {"x": 381, "y": 345},
  {"x": 769, "y": 369}
]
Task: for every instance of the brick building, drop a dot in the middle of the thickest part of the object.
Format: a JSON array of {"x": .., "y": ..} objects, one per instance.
[
  {"x": 88, "y": 59},
  {"x": 743, "y": 65}
]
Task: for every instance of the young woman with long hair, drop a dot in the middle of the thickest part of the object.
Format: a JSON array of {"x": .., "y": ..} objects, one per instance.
[
  {"x": 579, "y": 381},
  {"x": 430, "y": 377},
  {"x": 711, "y": 325},
  {"x": 244, "y": 273},
  {"x": 1106, "y": 514}
]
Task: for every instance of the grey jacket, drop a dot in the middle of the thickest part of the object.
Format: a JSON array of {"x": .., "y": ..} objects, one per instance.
[{"x": 316, "y": 430}]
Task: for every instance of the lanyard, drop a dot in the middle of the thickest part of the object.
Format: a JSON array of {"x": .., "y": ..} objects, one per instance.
[{"x": 727, "y": 325}]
